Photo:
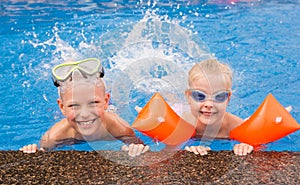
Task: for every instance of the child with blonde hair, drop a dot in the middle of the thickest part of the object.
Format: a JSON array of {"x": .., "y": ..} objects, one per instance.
[
  {"x": 209, "y": 92},
  {"x": 84, "y": 102}
]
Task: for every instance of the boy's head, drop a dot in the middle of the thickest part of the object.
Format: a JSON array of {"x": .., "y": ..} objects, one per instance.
[
  {"x": 209, "y": 90},
  {"x": 82, "y": 98}
]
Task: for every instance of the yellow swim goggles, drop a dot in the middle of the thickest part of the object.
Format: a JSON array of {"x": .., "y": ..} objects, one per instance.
[{"x": 90, "y": 66}]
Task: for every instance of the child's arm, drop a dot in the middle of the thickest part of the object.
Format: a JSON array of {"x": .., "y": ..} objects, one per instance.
[
  {"x": 44, "y": 145},
  {"x": 121, "y": 130},
  {"x": 230, "y": 122},
  {"x": 52, "y": 138},
  {"x": 241, "y": 148}
]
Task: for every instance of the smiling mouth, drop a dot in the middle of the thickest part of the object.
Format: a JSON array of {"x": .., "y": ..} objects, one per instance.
[
  {"x": 208, "y": 114},
  {"x": 86, "y": 123}
]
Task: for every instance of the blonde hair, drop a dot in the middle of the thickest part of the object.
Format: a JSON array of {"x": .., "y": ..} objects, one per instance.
[{"x": 210, "y": 67}]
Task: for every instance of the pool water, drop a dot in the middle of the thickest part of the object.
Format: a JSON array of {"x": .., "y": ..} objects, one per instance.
[{"x": 258, "y": 39}]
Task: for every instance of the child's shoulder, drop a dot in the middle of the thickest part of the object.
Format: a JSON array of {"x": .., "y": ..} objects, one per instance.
[
  {"x": 116, "y": 125},
  {"x": 113, "y": 119},
  {"x": 60, "y": 130},
  {"x": 232, "y": 121}
]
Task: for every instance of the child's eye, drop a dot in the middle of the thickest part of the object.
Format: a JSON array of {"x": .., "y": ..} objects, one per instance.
[
  {"x": 73, "y": 105},
  {"x": 94, "y": 102}
]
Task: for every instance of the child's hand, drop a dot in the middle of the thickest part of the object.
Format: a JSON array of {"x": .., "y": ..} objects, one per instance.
[
  {"x": 32, "y": 148},
  {"x": 242, "y": 149},
  {"x": 135, "y": 149},
  {"x": 202, "y": 150}
]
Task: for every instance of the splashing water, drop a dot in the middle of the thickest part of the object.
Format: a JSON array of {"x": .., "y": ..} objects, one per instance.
[{"x": 153, "y": 55}]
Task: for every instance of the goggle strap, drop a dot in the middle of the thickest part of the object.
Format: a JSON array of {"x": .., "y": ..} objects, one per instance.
[{"x": 101, "y": 72}]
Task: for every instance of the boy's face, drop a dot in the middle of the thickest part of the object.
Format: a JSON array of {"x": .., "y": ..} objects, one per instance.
[
  {"x": 84, "y": 105},
  {"x": 208, "y": 112}
]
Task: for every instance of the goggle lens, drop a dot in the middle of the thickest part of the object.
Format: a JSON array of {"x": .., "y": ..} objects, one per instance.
[
  {"x": 89, "y": 66},
  {"x": 221, "y": 97},
  {"x": 62, "y": 73},
  {"x": 200, "y": 96}
]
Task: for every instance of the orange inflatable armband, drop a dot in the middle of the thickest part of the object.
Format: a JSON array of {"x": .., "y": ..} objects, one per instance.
[
  {"x": 271, "y": 121},
  {"x": 158, "y": 121}
]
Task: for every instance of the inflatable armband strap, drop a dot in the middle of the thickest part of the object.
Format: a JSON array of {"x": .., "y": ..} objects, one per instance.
[
  {"x": 271, "y": 121},
  {"x": 159, "y": 121}
]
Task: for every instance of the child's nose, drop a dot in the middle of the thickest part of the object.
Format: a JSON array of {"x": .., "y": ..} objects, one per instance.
[
  {"x": 208, "y": 103},
  {"x": 84, "y": 113}
]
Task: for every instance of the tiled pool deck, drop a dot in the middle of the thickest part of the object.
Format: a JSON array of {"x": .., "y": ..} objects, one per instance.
[{"x": 78, "y": 167}]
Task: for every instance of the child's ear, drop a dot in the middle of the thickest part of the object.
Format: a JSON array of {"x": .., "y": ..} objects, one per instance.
[
  {"x": 61, "y": 106},
  {"x": 187, "y": 95},
  {"x": 106, "y": 100},
  {"x": 229, "y": 96}
]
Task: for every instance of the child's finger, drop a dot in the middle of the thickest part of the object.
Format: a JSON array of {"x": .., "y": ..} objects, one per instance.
[
  {"x": 136, "y": 150},
  {"x": 124, "y": 148},
  {"x": 42, "y": 149},
  {"x": 188, "y": 149},
  {"x": 236, "y": 149},
  {"x": 130, "y": 148},
  {"x": 133, "y": 150},
  {"x": 249, "y": 149},
  {"x": 139, "y": 150},
  {"x": 242, "y": 149},
  {"x": 202, "y": 150},
  {"x": 24, "y": 149},
  {"x": 245, "y": 150},
  {"x": 145, "y": 149},
  {"x": 34, "y": 148},
  {"x": 31, "y": 148},
  {"x": 239, "y": 151},
  {"x": 194, "y": 150},
  {"x": 207, "y": 148}
]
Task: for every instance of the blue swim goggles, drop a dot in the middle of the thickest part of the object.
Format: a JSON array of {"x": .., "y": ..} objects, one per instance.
[
  {"x": 200, "y": 96},
  {"x": 90, "y": 66}
]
